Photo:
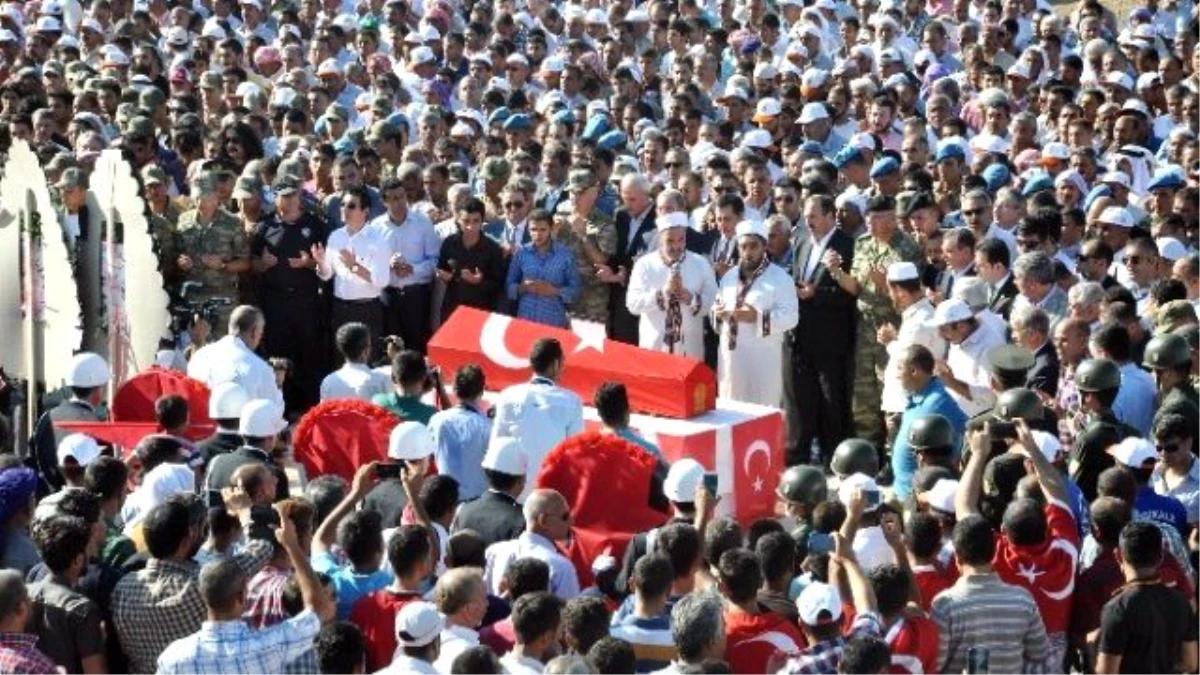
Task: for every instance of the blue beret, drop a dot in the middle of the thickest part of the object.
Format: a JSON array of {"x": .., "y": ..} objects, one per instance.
[
  {"x": 947, "y": 151},
  {"x": 811, "y": 148},
  {"x": 1037, "y": 184},
  {"x": 344, "y": 146},
  {"x": 1101, "y": 190},
  {"x": 612, "y": 140},
  {"x": 1169, "y": 180},
  {"x": 499, "y": 116},
  {"x": 883, "y": 166},
  {"x": 398, "y": 119},
  {"x": 997, "y": 176},
  {"x": 596, "y": 126},
  {"x": 564, "y": 116},
  {"x": 17, "y": 485},
  {"x": 846, "y": 155},
  {"x": 518, "y": 122}
]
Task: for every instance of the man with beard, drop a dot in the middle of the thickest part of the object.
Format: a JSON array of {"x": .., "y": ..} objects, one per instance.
[
  {"x": 669, "y": 291},
  {"x": 755, "y": 307},
  {"x": 291, "y": 290}
]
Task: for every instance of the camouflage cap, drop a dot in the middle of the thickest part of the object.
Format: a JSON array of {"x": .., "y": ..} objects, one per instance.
[
  {"x": 71, "y": 177},
  {"x": 153, "y": 174},
  {"x": 1174, "y": 314},
  {"x": 204, "y": 183},
  {"x": 291, "y": 167},
  {"x": 61, "y": 161},
  {"x": 338, "y": 111},
  {"x": 382, "y": 131},
  {"x": 139, "y": 127},
  {"x": 151, "y": 98},
  {"x": 495, "y": 168},
  {"x": 580, "y": 179},
  {"x": 248, "y": 186},
  {"x": 210, "y": 80}
]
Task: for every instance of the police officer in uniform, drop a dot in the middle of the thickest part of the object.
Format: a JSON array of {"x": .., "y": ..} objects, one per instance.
[
  {"x": 212, "y": 247},
  {"x": 932, "y": 441},
  {"x": 292, "y": 301},
  {"x": 854, "y": 455},
  {"x": 86, "y": 378},
  {"x": 1098, "y": 381},
  {"x": 801, "y": 489},
  {"x": 883, "y": 244},
  {"x": 1170, "y": 360}
]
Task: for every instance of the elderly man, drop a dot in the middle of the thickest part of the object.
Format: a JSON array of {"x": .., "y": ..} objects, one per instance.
[
  {"x": 755, "y": 306},
  {"x": 966, "y": 371},
  {"x": 669, "y": 290},
  {"x": 1031, "y": 330},
  {"x": 1033, "y": 273},
  {"x": 635, "y": 222},
  {"x": 232, "y": 358},
  {"x": 1084, "y": 302},
  {"x": 547, "y": 520}
]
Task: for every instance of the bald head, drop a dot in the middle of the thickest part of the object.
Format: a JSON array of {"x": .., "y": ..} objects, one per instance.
[{"x": 548, "y": 514}]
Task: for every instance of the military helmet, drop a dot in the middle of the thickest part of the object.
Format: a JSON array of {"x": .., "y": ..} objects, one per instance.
[
  {"x": 931, "y": 432},
  {"x": 1167, "y": 351},
  {"x": 1097, "y": 375},
  {"x": 803, "y": 484},
  {"x": 1019, "y": 404},
  {"x": 854, "y": 455}
]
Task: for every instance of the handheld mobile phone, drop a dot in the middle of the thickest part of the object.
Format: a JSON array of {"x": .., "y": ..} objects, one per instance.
[
  {"x": 263, "y": 521},
  {"x": 386, "y": 470},
  {"x": 872, "y": 497},
  {"x": 1002, "y": 430},
  {"x": 979, "y": 660},
  {"x": 711, "y": 483},
  {"x": 820, "y": 543}
]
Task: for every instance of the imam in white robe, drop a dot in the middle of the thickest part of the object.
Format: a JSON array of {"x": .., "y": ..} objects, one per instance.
[
  {"x": 646, "y": 298},
  {"x": 753, "y": 370}
]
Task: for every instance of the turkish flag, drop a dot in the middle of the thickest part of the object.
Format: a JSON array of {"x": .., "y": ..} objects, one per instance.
[
  {"x": 758, "y": 461},
  {"x": 128, "y": 434},
  {"x": 340, "y": 435},
  {"x": 658, "y": 383},
  {"x": 134, "y": 400}
]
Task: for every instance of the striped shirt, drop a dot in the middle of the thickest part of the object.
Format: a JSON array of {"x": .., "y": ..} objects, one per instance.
[
  {"x": 979, "y": 610},
  {"x": 653, "y": 644}
]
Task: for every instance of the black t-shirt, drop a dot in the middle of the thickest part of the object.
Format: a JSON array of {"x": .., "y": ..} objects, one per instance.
[
  {"x": 1147, "y": 625},
  {"x": 285, "y": 241}
]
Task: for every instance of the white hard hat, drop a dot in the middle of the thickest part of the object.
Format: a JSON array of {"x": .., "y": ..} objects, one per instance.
[
  {"x": 260, "y": 418},
  {"x": 505, "y": 455},
  {"x": 80, "y": 447},
  {"x": 226, "y": 401},
  {"x": 683, "y": 479},
  {"x": 88, "y": 370},
  {"x": 410, "y": 441}
]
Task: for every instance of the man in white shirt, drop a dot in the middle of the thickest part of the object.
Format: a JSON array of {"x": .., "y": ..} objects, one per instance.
[
  {"x": 232, "y": 358},
  {"x": 547, "y": 520},
  {"x": 669, "y": 290},
  {"x": 418, "y": 633},
  {"x": 461, "y": 597},
  {"x": 355, "y": 379},
  {"x": 967, "y": 370},
  {"x": 414, "y": 248},
  {"x": 357, "y": 258},
  {"x": 755, "y": 307},
  {"x": 904, "y": 287},
  {"x": 539, "y": 413}
]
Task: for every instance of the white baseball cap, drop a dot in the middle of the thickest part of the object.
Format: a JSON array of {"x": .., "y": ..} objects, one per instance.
[
  {"x": 1117, "y": 215},
  {"x": 941, "y": 495},
  {"x": 855, "y": 481},
  {"x": 1134, "y": 452},
  {"x": 226, "y": 401},
  {"x": 1048, "y": 444},
  {"x": 819, "y": 603},
  {"x": 812, "y": 112},
  {"x": 418, "y": 624},
  {"x": 505, "y": 455},
  {"x": 683, "y": 479},
  {"x": 757, "y": 138},
  {"x": 949, "y": 312},
  {"x": 410, "y": 441},
  {"x": 421, "y": 55},
  {"x": 88, "y": 370},
  {"x": 1170, "y": 248},
  {"x": 80, "y": 447},
  {"x": 261, "y": 418}
]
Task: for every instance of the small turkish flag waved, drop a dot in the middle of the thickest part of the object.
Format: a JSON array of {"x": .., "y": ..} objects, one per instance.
[{"x": 658, "y": 383}]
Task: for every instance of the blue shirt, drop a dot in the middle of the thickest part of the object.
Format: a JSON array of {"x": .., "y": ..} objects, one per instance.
[
  {"x": 1135, "y": 399},
  {"x": 557, "y": 267},
  {"x": 1167, "y": 510},
  {"x": 932, "y": 400},
  {"x": 350, "y": 586},
  {"x": 651, "y": 639},
  {"x": 646, "y": 445},
  {"x": 234, "y": 647},
  {"x": 460, "y": 435}
]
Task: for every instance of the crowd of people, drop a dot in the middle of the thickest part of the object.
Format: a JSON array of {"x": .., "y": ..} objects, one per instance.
[{"x": 955, "y": 242}]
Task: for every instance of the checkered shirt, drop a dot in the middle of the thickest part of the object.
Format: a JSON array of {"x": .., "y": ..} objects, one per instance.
[
  {"x": 19, "y": 654},
  {"x": 234, "y": 647},
  {"x": 824, "y": 657}
]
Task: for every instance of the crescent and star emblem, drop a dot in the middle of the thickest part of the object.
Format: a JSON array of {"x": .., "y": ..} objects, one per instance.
[
  {"x": 495, "y": 330},
  {"x": 755, "y": 448}
]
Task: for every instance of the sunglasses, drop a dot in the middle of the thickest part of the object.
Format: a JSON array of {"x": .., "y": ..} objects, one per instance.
[
  {"x": 1134, "y": 260},
  {"x": 1167, "y": 448}
]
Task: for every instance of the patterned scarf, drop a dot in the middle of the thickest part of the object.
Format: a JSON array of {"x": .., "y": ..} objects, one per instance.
[
  {"x": 673, "y": 330},
  {"x": 744, "y": 285}
]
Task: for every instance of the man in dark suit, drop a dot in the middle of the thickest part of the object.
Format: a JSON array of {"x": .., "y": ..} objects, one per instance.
[
  {"x": 86, "y": 377},
  {"x": 816, "y": 387},
  {"x": 993, "y": 265},
  {"x": 1031, "y": 330},
  {"x": 635, "y": 235},
  {"x": 495, "y": 515}
]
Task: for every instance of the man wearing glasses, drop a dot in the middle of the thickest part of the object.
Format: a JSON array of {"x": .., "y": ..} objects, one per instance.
[{"x": 357, "y": 259}]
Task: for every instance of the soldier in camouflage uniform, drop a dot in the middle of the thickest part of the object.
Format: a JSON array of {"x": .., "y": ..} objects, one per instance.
[
  {"x": 163, "y": 221},
  {"x": 592, "y": 238},
  {"x": 211, "y": 248},
  {"x": 883, "y": 244}
]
